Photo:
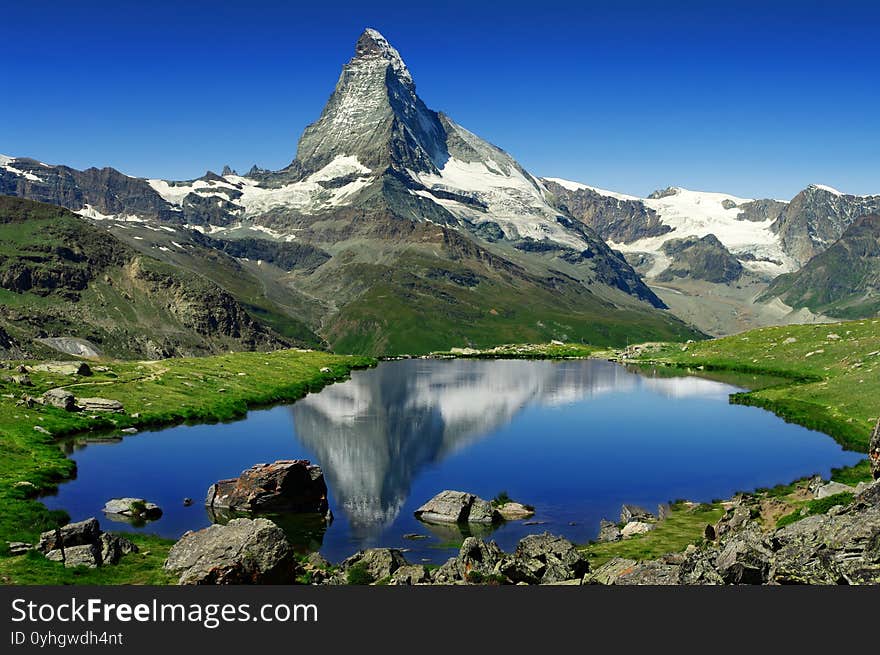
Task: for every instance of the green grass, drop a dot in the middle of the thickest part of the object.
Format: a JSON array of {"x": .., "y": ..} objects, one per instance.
[
  {"x": 818, "y": 506},
  {"x": 683, "y": 526},
  {"x": 160, "y": 393},
  {"x": 416, "y": 306},
  {"x": 141, "y": 568}
]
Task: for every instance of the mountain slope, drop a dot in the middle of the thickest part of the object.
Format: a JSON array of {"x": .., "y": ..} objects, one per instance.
[
  {"x": 816, "y": 217},
  {"x": 418, "y": 234},
  {"x": 62, "y": 278},
  {"x": 842, "y": 281}
]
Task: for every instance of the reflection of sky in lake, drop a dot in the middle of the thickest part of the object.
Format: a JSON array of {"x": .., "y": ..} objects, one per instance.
[{"x": 576, "y": 439}]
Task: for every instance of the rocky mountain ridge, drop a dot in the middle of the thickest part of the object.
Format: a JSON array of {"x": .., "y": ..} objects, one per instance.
[{"x": 392, "y": 204}]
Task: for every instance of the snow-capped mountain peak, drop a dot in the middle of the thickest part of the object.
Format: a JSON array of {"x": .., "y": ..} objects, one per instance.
[{"x": 372, "y": 44}]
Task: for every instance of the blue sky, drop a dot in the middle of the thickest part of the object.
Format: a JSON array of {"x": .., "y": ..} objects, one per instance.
[{"x": 753, "y": 98}]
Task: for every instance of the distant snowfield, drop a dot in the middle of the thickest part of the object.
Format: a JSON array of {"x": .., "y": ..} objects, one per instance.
[{"x": 697, "y": 214}]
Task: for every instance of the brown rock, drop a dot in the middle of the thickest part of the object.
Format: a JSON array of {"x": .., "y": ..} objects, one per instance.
[{"x": 286, "y": 485}]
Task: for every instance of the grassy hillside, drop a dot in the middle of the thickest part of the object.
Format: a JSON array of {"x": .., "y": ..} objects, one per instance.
[
  {"x": 422, "y": 304},
  {"x": 62, "y": 277},
  {"x": 842, "y": 281},
  {"x": 158, "y": 393}
]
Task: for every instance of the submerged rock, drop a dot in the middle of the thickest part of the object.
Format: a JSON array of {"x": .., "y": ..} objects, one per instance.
[
  {"x": 283, "y": 486},
  {"x": 244, "y": 551}
]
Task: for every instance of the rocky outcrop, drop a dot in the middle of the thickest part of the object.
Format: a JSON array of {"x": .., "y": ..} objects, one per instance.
[
  {"x": 616, "y": 219},
  {"x": 457, "y": 507},
  {"x": 376, "y": 563},
  {"x": 874, "y": 452},
  {"x": 60, "y": 398},
  {"x": 838, "y": 547},
  {"x": 100, "y": 405},
  {"x": 544, "y": 558},
  {"x": 630, "y": 513},
  {"x": 84, "y": 544},
  {"x": 818, "y": 216},
  {"x": 841, "y": 281},
  {"x": 703, "y": 258},
  {"x": 283, "y": 486},
  {"x": 244, "y": 551}
]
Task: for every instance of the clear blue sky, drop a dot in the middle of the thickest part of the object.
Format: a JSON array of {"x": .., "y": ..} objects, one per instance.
[{"x": 752, "y": 98}]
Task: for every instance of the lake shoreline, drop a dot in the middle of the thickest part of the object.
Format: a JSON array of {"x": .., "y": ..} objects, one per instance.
[{"x": 56, "y": 469}]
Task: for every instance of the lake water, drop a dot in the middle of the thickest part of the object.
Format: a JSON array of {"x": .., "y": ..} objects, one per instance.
[{"x": 576, "y": 439}]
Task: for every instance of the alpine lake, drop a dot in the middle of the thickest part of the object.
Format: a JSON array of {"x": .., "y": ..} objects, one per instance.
[{"x": 573, "y": 438}]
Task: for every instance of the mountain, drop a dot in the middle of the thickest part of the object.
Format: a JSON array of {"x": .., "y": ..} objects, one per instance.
[
  {"x": 393, "y": 230},
  {"x": 711, "y": 256},
  {"x": 703, "y": 258},
  {"x": 816, "y": 217},
  {"x": 842, "y": 281},
  {"x": 74, "y": 287}
]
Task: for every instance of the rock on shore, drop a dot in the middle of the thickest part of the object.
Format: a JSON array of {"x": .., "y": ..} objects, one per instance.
[{"x": 245, "y": 551}]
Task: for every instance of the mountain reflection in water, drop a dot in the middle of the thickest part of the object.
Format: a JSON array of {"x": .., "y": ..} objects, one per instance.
[{"x": 374, "y": 433}]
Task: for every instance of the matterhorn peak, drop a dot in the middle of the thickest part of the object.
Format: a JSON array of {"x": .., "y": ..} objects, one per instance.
[{"x": 372, "y": 45}]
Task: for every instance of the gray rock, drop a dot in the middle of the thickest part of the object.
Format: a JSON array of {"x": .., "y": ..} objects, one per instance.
[
  {"x": 457, "y": 507},
  {"x": 18, "y": 547},
  {"x": 411, "y": 574},
  {"x": 653, "y": 573},
  {"x": 874, "y": 452},
  {"x": 543, "y": 558},
  {"x": 60, "y": 398},
  {"x": 630, "y": 513},
  {"x": 113, "y": 547},
  {"x": 245, "y": 551},
  {"x": 476, "y": 555},
  {"x": 608, "y": 531},
  {"x": 380, "y": 563},
  {"x": 64, "y": 368},
  {"x": 833, "y": 488},
  {"x": 744, "y": 560},
  {"x": 483, "y": 512},
  {"x": 610, "y": 571},
  {"x": 72, "y": 534},
  {"x": 100, "y": 405},
  {"x": 88, "y": 555}
]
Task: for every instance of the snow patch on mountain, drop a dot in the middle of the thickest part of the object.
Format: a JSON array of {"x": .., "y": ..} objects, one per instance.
[
  {"x": 823, "y": 187},
  {"x": 6, "y": 163},
  {"x": 511, "y": 198}
]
